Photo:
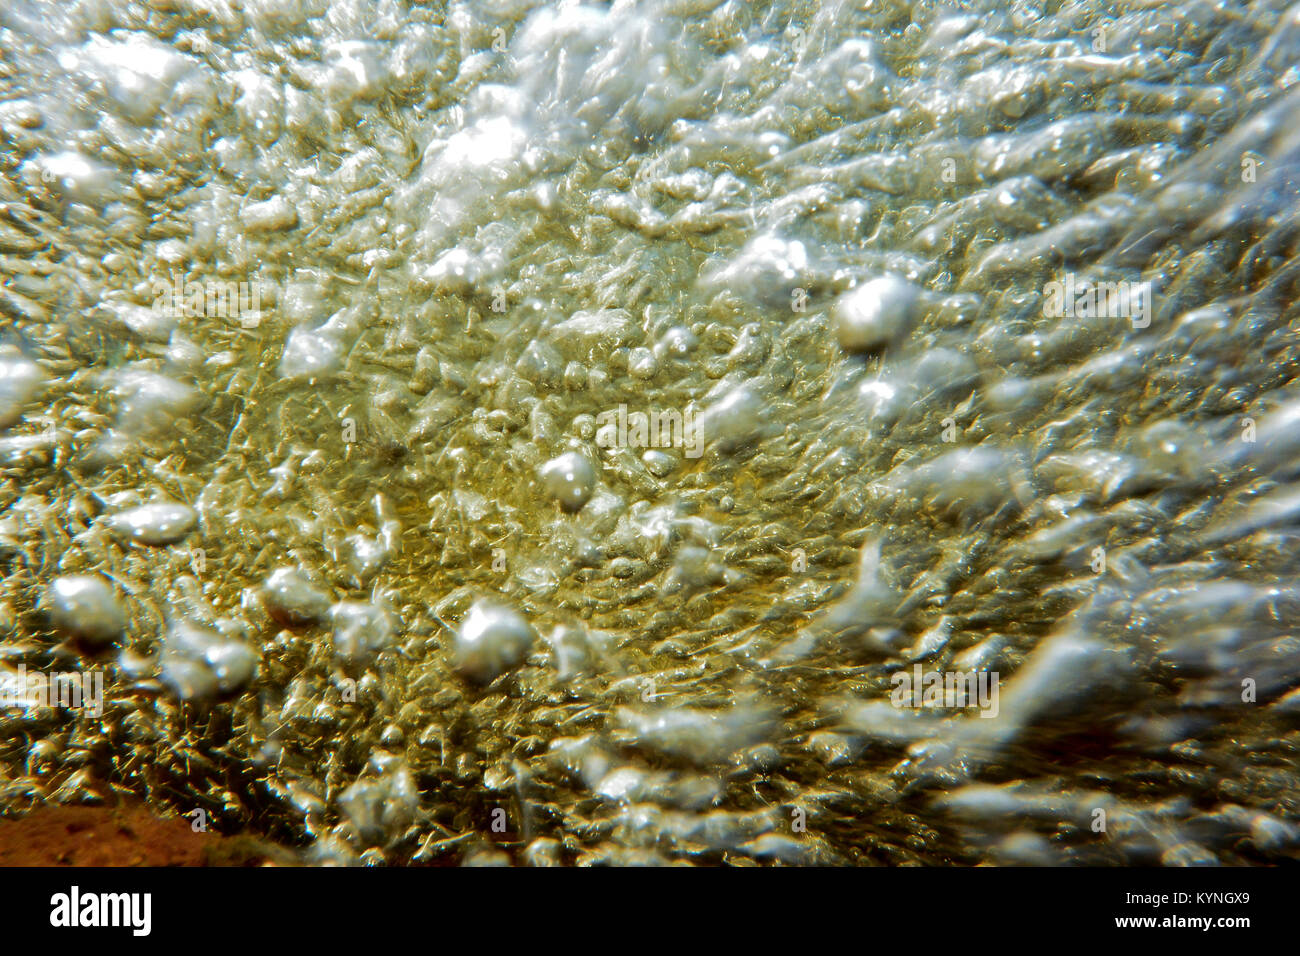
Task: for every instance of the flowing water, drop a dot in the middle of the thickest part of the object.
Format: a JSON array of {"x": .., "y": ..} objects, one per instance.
[{"x": 509, "y": 432}]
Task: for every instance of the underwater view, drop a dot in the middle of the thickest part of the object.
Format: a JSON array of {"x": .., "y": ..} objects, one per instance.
[{"x": 674, "y": 432}]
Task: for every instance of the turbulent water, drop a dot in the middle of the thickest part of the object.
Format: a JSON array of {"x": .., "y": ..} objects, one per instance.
[{"x": 502, "y": 432}]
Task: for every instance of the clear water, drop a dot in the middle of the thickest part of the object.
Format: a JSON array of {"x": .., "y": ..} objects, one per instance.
[{"x": 543, "y": 433}]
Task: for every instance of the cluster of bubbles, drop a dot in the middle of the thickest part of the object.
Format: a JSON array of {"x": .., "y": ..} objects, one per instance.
[{"x": 585, "y": 410}]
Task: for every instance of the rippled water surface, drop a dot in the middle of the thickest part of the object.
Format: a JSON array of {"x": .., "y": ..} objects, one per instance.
[{"x": 552, "y": 433}]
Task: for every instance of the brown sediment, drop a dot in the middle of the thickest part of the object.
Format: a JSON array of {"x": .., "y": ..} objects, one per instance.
[{"x": 123, "y": 836}]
